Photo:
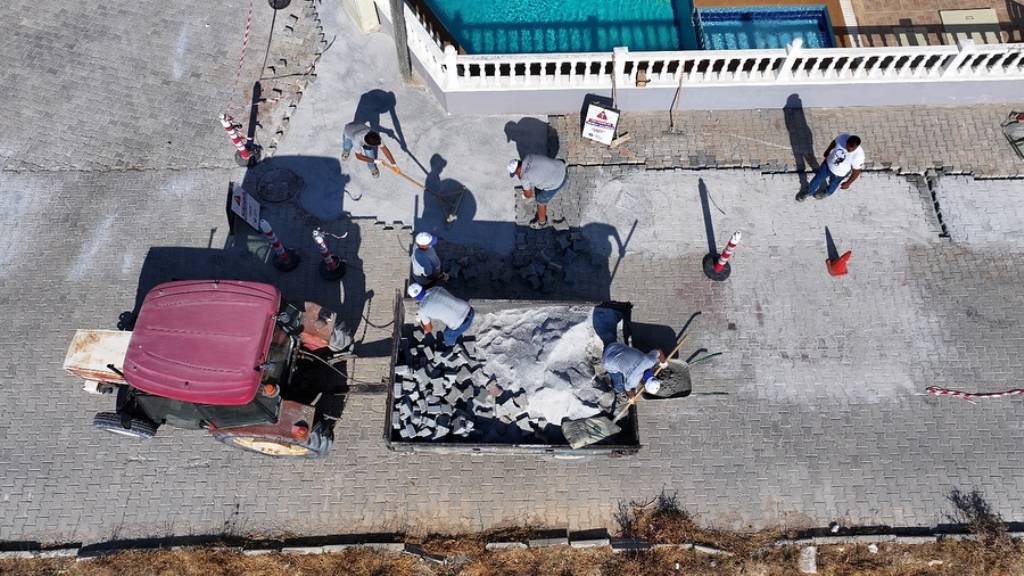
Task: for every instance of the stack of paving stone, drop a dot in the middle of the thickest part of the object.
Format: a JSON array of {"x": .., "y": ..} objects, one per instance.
[
  {"x": 443, "y": 394},
  {"x": 542, "y": 268}
]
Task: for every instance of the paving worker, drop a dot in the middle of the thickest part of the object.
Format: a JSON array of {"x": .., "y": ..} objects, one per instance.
[
  {"x": 370, "y": 142},
  {"x": 541, "y": 178},
  {"x": 426, "y": 266},
  {"x": 437, "y": 304},
  {"x": 629, "y": 368},
  {"x": 844, "y": 160}
]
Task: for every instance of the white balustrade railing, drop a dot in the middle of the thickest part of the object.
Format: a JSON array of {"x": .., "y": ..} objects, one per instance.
[{"x": 793, "y": 65}]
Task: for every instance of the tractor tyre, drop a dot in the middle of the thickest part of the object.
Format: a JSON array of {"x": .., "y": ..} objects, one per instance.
[{"x": 124, "y": 425}]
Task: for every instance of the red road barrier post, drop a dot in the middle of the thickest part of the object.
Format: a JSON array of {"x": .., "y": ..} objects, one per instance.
[
  {"x": 331, "y": 267},
  {"x": 285, "y": 260}
]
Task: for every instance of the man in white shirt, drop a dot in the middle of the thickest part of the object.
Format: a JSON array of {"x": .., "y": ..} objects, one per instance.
[
  {"x": 541, "y": 178},
  {"x": 844, "y": 160}
]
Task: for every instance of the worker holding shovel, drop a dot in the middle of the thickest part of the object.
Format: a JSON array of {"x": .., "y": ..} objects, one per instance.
[
  {"x": 541, "y": 178},
  {"x": 629, "y": 368},
  {"x": 370, "y": 142}
]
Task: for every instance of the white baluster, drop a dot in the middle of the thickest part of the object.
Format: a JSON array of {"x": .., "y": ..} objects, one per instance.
[
  {"x": 792, "y": 53},
  {"x": 966, "y": 51}
]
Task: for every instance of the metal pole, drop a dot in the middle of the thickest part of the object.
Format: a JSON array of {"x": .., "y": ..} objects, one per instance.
[{"x": 401, "y": 38}]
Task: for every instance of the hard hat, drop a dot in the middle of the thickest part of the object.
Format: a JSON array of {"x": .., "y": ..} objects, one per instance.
[
  {"x": 652, "y": 386},
  {"x": 513, "y": 165},
  {"x": 414, "y": 290},
  {"x": 425, "y": 239}
]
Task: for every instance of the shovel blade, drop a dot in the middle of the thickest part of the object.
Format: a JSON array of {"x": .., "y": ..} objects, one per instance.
[{"x": 581, "y": 433}]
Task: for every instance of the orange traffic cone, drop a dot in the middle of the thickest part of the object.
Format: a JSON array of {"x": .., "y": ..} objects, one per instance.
[{"x": 837, "y": 267}]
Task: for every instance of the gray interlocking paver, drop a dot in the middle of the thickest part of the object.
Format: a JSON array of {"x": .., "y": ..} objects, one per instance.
[
  {"x": 905, "y": 139},
  {"x": 819, "y": 412}
]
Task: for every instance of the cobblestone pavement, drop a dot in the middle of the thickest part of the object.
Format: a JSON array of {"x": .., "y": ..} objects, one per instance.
[
  {"x": 133, "y": 86},
  {"x": 816, "y": 412},
  {"x": 905, "y": 139}
]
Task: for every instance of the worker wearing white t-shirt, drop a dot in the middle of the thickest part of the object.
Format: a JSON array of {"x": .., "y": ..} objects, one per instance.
[{"x": 844, "y": 159}]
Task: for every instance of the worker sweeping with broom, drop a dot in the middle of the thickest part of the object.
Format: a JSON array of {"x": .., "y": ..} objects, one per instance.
[{"x": 370, "y": 142}]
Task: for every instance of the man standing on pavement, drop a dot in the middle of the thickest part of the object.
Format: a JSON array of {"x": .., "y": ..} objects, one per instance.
[
  {"x": 369, "y": 141},
  {"x": 426, "y": 266},
  {"x": 843, "y": 158},
  {"x": 629, "y": 368},
  {"x": 438, "y": 305},
  {"x": 541, "y": 178}
]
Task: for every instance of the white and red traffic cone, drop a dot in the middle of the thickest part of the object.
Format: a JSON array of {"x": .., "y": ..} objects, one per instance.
[
  {"x": 244, "y": 155},
  {"x": 285, "y": 260},
  {"x": 716, "y": 267},
  {"x": 331, "y": 267}
]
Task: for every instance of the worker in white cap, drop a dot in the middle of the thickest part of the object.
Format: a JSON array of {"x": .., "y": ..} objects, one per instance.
[
  {"x": 629, "y": 368},
  {"x": 438, "y": 305},
  {"x": 541, "y": 178},
  {"x": 426, "y": 266}
]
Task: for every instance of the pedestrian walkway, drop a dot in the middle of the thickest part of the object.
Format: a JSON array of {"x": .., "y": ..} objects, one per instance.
[{"x": 904, "y": 139}]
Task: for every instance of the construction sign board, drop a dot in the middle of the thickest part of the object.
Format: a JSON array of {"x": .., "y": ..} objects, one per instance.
[
  {"x": 600, "y": 124},
  {"x": 244, "y": 205}
]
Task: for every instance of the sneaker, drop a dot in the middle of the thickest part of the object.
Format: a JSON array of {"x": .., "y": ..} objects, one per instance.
[
  {"x": 374, "y": 171},
  {"x": 801, "y": 196},
  {"x": 345, "y": 154},
  {"x": 537, "y": 224},
  {"x": 819, "y": 195}
]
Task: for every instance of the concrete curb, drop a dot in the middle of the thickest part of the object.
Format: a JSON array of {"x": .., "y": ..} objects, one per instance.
[{"x": 394, "y": 543}]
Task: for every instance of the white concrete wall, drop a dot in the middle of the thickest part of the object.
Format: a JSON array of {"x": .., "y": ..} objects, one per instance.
[{"x": 734, "y": 97}]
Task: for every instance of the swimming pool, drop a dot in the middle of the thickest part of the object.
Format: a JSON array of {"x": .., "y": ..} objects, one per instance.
[
  {"x": 767, "y": 27},
  {"x": 518, "y": 26}
]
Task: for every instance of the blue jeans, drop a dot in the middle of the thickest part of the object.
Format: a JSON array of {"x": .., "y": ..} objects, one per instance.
[
  {"x": 606, "y": 324},
  {"x": 545, "y": 196},
  {"x": 368, "y": 151},
  {"x": 451, "y": 335},
  {"x": 618, "y": 382},
  {"x": 823, "y": 176}
]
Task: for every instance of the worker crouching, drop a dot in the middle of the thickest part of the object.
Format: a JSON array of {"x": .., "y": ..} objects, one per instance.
[
  {"x": 630, "y": 368},
  {"x": 438, "y": 305}
]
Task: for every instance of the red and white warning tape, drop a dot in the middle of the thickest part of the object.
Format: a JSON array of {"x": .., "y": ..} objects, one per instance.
[
  {"x": 971, "y": 396},
  {"x": 241, "y": 57}
]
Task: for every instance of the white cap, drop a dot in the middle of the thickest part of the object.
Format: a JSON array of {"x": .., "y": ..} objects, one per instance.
[
  {"x": 425, "y": 239},
  {"x": 414, "y": 290},
  {"x": 513, "y": 165},
  {"x": 652, "y": 385}
]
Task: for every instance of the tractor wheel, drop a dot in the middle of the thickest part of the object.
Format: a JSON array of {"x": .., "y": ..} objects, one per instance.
[
  {"x": 125, "y": 426},
  {"x": 280, "y": 447}
]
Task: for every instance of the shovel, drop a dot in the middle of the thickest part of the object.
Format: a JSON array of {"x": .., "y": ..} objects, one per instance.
[{"x": 587, "y": 431}]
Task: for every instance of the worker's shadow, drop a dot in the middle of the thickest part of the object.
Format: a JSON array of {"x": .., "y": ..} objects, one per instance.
[
  {"x": 448, "y": 209},
  {"x": 532, "y": 136},
  {"x": 379, "y": 103},
  {"x": 801, "y": 139}
]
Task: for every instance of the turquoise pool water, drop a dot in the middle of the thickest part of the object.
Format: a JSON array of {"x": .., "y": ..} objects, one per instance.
[
  {"x": 759, "y": 28},
  {"x": 518, "y": 26}
]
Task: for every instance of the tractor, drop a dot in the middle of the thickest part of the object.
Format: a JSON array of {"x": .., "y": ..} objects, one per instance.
[{"x": 227, "y": 356}]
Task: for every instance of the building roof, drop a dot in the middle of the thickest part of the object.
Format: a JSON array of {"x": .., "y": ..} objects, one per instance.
[{"x": 202, "y": 341}]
